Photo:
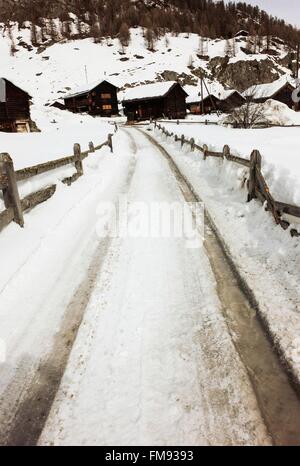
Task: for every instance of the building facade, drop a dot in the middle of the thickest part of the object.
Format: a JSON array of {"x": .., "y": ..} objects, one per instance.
[
  {"x": 99, "y": 98},
  {"x": 164, "y": 99}
]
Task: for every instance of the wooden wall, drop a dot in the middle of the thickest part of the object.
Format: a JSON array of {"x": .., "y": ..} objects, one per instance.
[
  {"x": 171, "y": 106},
  {"x": 95, "y": 101},
  {"x": 15, "y": 108}
]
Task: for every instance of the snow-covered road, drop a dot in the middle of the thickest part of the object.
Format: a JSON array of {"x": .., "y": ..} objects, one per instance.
[{"x": 153, "y": 362}]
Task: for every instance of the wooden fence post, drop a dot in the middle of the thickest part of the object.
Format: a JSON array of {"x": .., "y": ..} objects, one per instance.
[
  {"x": 10, "y": 193},
  {"x": 226, "y": 151},
  {"x": 205, "y": 150},
  {"x": 192, "y": 142},
  {"x": 116, "y": 127},
  {"x": 78, "y": 161},
  {"x": 176, "y": 138},
  {"x": 182, "y": 140},
  {"x": 110, "y": 143},
  {"x": 91, "y": 147},
  {"x": 155, "y": 124},
  {"x": 255, "y": 163}
]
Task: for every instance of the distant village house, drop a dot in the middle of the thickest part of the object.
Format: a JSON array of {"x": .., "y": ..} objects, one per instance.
[
  {"x": 98, "y": 98},
  {"x": 164, "y": 99},
  {"x": 198, "y": 106},
  {"x": 225, "y": 101},
  {"x": 280, "y": 90},
  {"x": 229, "y": 100},
  {"x": 14, "y": 108}
]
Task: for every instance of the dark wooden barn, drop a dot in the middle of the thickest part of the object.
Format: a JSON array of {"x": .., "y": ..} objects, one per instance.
[
  {"x": 98, "y": 98},
  {"x": 230, "y": 100},
  {"x": 14, "y": 108},
  {"x": 164, "y": 99},
  {"x": 280, "y": 90},
  {"x": 197, "y": 107}
]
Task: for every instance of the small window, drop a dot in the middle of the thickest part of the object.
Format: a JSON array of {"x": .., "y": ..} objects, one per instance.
[
  {"x": 105, "y": 96},
  {"x": 106, "y": 107}
]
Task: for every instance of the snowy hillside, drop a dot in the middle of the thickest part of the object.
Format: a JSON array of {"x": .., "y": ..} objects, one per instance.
[{"x": 50, "y": 72}]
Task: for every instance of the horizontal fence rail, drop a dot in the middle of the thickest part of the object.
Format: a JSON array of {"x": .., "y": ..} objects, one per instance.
[
  {"x": 256, "y": 183},
  {"x": 9, "y": 178}
]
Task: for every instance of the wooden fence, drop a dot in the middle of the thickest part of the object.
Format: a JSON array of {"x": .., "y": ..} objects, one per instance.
[
  {"x": 256, "y": 183},
  {"x": 9, "y": 178}
]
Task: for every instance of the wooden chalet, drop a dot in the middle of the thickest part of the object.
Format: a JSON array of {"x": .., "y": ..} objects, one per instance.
[
  {"x": 228, "y": 100},
  {"x": 98, "y": 98},
  {"x": 196, "y": 106},
  {"x": 280, "y": 90},
  {"x": 163, "y": 99},
  {"x": 14, "y": 108},
  {"x": 225, "y": 101}
]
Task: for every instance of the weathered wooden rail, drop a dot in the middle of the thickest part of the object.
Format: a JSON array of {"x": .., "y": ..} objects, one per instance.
[
  {"x": 256, "y": 183},
  {"x": 9, "y": 178}
]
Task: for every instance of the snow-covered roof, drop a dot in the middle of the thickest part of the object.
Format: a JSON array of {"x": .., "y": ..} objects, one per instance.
[
  {"x": 266, "y": 91},
  {"x": 83, "y": 89},
  {"x": 149, "y": 91},
  {"x": 228, "y": 93},
  {"x": 3, "y": 82},
  {"x": 221, "y": 95},
  {"x": 242, "y": 32},
  {"x": 196, "y": 97}
]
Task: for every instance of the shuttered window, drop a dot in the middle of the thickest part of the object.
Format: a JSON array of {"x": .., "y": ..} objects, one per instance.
[{"x": 106, "y": 107}]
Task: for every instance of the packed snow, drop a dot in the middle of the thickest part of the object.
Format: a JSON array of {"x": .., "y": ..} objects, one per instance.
[{"x": 146, "y": 368}]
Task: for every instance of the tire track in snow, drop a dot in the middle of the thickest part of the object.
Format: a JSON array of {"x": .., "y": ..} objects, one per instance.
[{"x": 161, "y": 368}]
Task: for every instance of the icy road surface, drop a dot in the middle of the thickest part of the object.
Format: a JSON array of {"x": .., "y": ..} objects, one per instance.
[{"x": 153, "y": 362}]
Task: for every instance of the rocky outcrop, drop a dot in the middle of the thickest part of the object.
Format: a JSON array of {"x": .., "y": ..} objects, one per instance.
[
  {"x": 183, "y": 78},
  {"x": 241, "y": 75}
]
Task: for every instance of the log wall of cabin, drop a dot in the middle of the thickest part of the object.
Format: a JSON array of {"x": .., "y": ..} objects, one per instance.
[
  {"x": 175, "y": 103},
  {"x": 103, "y": 97},
  {"x": 16, "y": 106},
  {"x": 234, "y": 101},
  {"x": 144, "y": 109},
  {"x": 171, "y": 106},
  {"x": 101, "y": 101}
]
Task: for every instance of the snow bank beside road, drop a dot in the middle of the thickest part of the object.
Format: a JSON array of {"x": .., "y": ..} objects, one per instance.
[
  {"x": 60, "y": 130},
  {"x": 279, "y": 147},
  {"x": 45, "y": 262}
]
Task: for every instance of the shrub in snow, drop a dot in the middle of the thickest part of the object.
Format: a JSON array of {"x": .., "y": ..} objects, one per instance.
[{"x": 270, "y": 112}]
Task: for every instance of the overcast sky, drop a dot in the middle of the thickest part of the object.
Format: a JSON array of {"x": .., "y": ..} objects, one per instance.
[{"x": 289, "y": 10}]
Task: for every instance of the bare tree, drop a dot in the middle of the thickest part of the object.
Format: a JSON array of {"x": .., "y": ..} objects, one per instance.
[
  {"x": 124, "y": 35},
  {"x": 149, "y": 38}
]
